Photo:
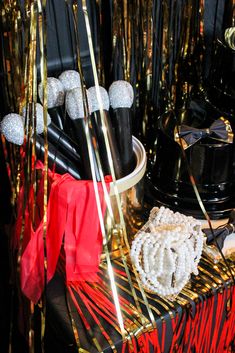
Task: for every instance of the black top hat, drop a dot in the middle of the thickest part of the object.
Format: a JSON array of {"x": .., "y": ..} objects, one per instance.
[{"x": 210, "y": 159}]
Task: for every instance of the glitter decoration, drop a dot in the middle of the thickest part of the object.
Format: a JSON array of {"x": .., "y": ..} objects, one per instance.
[
  {"x": 12, "y": 127},
  {"x": 94, "y": 101},
  {"x": 121, "y": 94},
  {"x": 74, "y": 103},
  {"x": 70, "y": 79},
  {"x": 40, "y": 120},
  {"x": 55, "y": 92}
]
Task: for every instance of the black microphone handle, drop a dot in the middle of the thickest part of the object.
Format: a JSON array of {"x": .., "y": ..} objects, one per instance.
[
  {"x": 122, "y": 123},
  {"x": 55, "y": 158},
  {"x": 57, "y": 116},
  {"x": 79, "y": 132},
  {"x": 97, "y": 124},
  {"x": 63, "y": 142}
]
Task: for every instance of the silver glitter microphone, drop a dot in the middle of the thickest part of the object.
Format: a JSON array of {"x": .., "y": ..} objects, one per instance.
[
  {"x": 12, "y": 127},
  {"x": 70, "y": 79},
  {"x": 57, "y": 136},
  {"x": 55, "y": 100},
  {"x": 55, "y": 92},
  {"x": 97, "y": 124},
  {"x": 75, "y": 109},
  {"x": 121, "y": 97}
]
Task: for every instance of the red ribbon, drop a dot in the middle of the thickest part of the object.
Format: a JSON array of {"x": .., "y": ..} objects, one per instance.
[{"x": 72, "y": 217}]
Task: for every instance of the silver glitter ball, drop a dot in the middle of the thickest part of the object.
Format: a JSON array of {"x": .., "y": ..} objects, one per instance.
[
  {"x": 74, "y": 103},
  {"x": 94, "y": 100},
  {"x": 70, "y": 79},
  {"x": 121, "y": 94},
  {"x": 12, "y": 127},
  {"x": 55, "y": 92}
]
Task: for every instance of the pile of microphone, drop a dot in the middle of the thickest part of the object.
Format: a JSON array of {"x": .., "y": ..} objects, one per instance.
[{"x": 67, "y": 124}]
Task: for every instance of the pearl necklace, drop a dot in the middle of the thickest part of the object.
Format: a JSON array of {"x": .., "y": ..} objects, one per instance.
[{"x": 167, "y": 250}]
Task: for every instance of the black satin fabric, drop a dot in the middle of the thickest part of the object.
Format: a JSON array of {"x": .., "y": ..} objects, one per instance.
[
  {"x": 221, "y": 232},
  {"x": 191, "y": 135}
]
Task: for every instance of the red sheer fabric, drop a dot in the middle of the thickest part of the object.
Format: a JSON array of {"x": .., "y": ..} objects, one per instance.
[{"x": 72, "y": 218}]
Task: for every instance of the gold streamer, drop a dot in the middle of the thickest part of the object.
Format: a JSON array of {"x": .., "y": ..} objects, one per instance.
[
  {"x": 89, "y": 143},
  {"x": 110, "y": 268},
  {"x": 73, "y": 324},
  {"x": 27, "y": 96},
  {"x": 43, "y": 70},
  {"x": 11, "y": 28},
  {"x": 100, "y": 65},
  {"x": 123, "y": 228},
  {"x": 14, "y": 69},
  {"x": 105, "y": 244}
]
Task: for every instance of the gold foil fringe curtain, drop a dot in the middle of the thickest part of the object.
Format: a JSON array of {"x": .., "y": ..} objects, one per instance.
[
  {"x": 23, "y": 31},
  {"x": 153, "y": 46}
]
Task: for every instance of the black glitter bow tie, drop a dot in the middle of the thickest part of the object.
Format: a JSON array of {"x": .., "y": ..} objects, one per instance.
[{"x": 219, "y": 130}]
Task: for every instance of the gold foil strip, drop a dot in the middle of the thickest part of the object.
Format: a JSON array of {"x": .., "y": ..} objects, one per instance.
[
  {"x": 30, "y": 106},
  {"x": 223, "y": 274},
  {"x": 28, "y": 82},
  {"x": 107, "y": 249},
  {"x": 122, "y": 222},
  {"x": 88, "y": 328},
  {"x": 30, "y": 23},
  {"x": 110, "y": 162},
  {"x": 100, "y": 64},
  {"x": 88, "y": 137},
  {"x": 101, "y": 327},
  {"x": 11, "y": 20},
  {"x": 124, "y": 306},
  {"x": 138, "y": 327},
  {"x": 11, "y": 28},
  {"x": 14, "y": 69},
  {"x": 42, "y": 28},
  {"x": 32, "y": 132},
  {"x": 167, "y": 305},
  {"x": 31, "y": 328},
  {"x": 73, "y": 324}
]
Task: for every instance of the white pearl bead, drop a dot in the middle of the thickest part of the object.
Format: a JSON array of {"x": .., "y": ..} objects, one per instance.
[{"x": 171, "y": 248}]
